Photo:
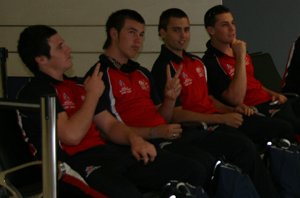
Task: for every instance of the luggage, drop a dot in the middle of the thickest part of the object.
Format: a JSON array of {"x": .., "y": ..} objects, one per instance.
[
  {"x": 283, "y": 159},
  {"x": 179, "y": 189},
  {"x": 228, "y": 181}
]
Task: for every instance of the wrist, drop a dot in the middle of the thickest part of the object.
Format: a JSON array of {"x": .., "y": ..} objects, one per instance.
[{"x": 152, "y": 134}]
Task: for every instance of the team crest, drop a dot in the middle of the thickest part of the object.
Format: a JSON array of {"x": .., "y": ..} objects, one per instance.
[
  {"x": 67, "y": 103},
  {"x": 200, "y": 72},
  {"x": 144, "y": 85},
  {"x": 230, "y": 69}
]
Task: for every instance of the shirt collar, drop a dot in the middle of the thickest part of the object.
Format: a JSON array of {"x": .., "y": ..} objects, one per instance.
[
  {"x": 127, "y": 68},
  {"x": 168, "y": 55},
  {"x": 212, "y": 50},
  {"x": 45, "y": 77}
]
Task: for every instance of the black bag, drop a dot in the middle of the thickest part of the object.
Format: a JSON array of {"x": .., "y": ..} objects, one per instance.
[
  {"x": 179, "y": 189},
  {"x": 283, "y": 159},
  {"x": 228, "y": 181}
]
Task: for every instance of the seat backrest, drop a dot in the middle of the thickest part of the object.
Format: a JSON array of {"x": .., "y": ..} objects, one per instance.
[
  {"x": 265, "y": 71},
  {"x": 290, "y": 80}
]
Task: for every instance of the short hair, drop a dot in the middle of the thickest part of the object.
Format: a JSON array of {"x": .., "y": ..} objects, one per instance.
[
  {"x": 167, "y": 14},
  {"x": 33, "y": 42},
  {"x": 117, "y": 19},
  {"x": 210, "y": 15}
]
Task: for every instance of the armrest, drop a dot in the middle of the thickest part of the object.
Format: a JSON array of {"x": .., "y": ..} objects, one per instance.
[
  {"x": 201, "y": 125},
  {"x": 7, "y": 184},
  {"x": 290, "y": 94}
]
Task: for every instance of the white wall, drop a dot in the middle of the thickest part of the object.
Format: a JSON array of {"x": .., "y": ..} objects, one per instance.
[
  {"x": 82, "y": 25},
  {"x": 268, "y": 26}
]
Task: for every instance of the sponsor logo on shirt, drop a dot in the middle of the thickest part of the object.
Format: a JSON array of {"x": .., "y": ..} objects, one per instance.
[
  {"x": 186, "y": 79},
  {"x": 123, "y": 88}
]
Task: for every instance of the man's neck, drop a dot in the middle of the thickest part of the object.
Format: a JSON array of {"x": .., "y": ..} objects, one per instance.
[
  {"x": 225, "y": 48},
  {"x": 115, "y": 56},
  {"x": 177, "y": 52},
  {"x": 54, "y": 74}
]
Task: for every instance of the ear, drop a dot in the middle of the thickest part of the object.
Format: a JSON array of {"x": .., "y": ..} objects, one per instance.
[
  {"x": 113, "y": 33},
  {"x": 41, "y": 60},
  {"x": 162, "y": 33},
  {"x": 210, "y": 30}
]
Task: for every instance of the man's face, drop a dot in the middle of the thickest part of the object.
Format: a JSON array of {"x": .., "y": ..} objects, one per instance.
[
  {"x": 60, "y": 54},
  {"x": 224, "y": 30},
  {"x": 130, "y": 39},
  {"x": 177, "y": 35}
]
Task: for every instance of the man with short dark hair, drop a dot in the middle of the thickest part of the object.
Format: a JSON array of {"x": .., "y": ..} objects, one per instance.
[{"x": 231, "y": 74}]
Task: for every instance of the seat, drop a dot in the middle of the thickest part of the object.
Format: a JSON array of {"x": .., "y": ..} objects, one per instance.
[
  {"x": 265, "y": 70},
  {"x": 290, "y": 80},
  {"x": 20, "y": 172}
]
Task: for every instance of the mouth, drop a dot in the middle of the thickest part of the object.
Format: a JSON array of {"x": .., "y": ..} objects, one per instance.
[{"x": 136, "y": 48}]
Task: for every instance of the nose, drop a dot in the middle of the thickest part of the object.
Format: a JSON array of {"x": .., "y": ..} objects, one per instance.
[
  {"x": 139, "y": 39},
  {"x": 184, "y": 34},
  {"x": 232, "y": 27},
  {"x": 68, "y": 49}
]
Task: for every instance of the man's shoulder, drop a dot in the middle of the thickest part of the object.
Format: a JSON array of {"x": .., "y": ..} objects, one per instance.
[{"x": 35, "y": 89}]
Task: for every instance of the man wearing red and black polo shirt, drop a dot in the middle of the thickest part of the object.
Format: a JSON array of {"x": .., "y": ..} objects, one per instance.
[{"x": 231, "y": 74}]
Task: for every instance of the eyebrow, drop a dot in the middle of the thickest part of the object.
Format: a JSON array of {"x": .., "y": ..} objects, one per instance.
[{"x": 134, "y": 29}]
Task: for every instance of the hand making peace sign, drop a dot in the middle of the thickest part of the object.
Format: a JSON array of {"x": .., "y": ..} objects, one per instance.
[{"x": 173, "y": 86}]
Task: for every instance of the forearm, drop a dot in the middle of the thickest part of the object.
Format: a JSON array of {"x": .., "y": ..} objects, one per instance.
[
  {"x": 145, "y": 132},
  {"x": 121, "y": 134},
  {"x": 222, "y": 108},
  {"x": 72, "y": 129},
  {"x": 236, "y": 91},
  {"x": 166, "y": 109},
  {"x": 181, "y": 115}
]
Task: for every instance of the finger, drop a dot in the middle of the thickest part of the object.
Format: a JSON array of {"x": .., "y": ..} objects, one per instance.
[
  {"x": 178, "y": 72},
  {"x": 136, "y": 155},
  {"x": 152, "y": 155},
  {"x": 169, "y": 77},
  {"x": 86, "y": 80},
  {"x": 96, "y": 70},
  {"x": 100, "y": 74},
  {"x": 145, "y": 158}
]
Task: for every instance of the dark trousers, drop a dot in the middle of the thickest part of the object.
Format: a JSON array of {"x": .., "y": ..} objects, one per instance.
[
  {"x": 233, "y": 146},
  {"x": 288, "y": 112},
  {"x": 261, "y": 129},
  {"x": 112, "y": 170}
]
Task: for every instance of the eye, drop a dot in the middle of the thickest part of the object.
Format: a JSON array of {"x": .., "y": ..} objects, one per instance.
[{"x": 177, "y": 30}]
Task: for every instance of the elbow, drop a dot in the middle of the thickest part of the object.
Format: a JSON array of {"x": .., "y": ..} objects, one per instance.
[
  {"x": 236, "y": 101},
  {"x": 71, "y": 140},
  {"x": 233, "y": 100}
]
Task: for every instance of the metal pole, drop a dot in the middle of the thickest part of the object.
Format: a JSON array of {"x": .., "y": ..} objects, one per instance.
[
  {"x": 48, "y": 114},
  {"x": 3, "y": 76}
]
